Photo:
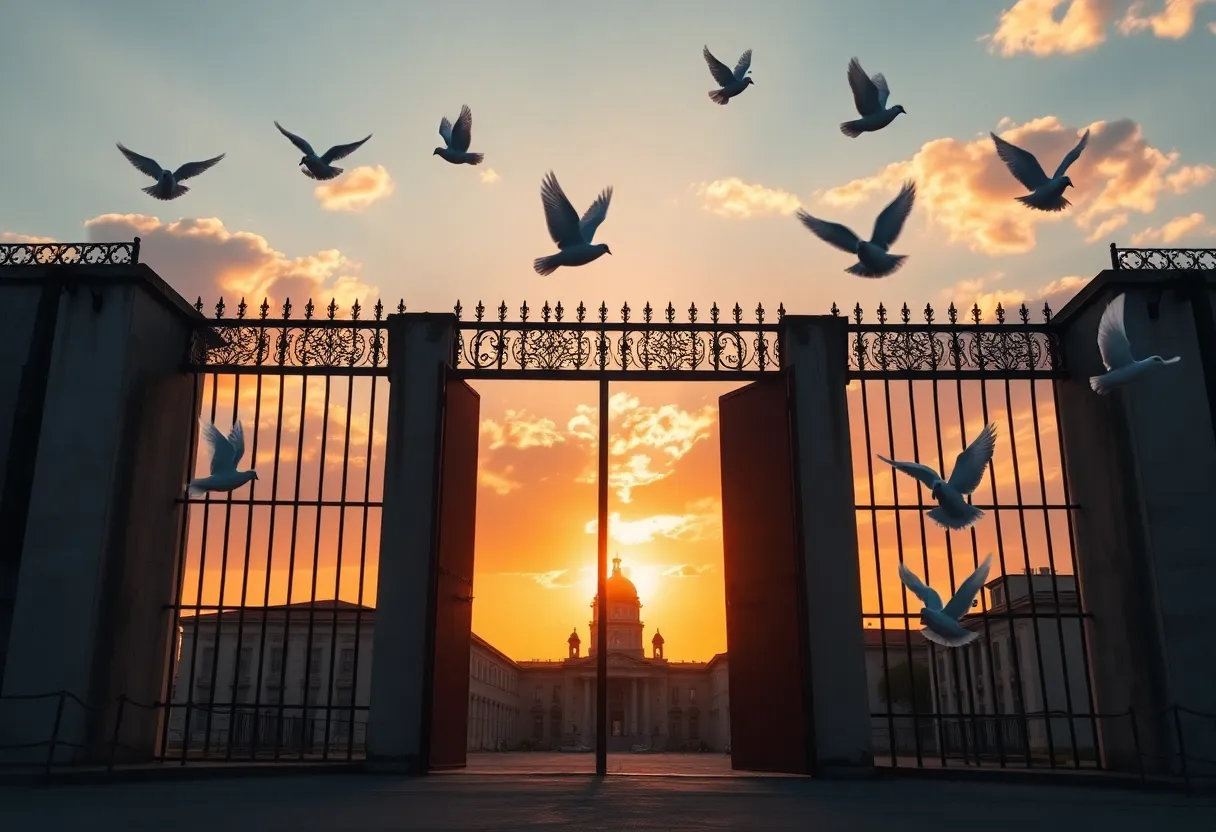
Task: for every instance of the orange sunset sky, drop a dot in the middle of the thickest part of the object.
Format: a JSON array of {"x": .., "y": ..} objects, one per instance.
[{"x": 704, "y": 210}]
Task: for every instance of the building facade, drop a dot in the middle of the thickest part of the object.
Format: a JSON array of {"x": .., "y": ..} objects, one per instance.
[{"x": 1050, "y": 664}]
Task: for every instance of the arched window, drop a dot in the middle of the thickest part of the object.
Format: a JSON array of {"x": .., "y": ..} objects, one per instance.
[
  {"x": 555, "y": 722},
  {"x": 694, "y": 724}
]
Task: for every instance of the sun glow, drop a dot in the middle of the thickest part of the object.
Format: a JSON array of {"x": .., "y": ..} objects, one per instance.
[{"x": 645, "y": 578}]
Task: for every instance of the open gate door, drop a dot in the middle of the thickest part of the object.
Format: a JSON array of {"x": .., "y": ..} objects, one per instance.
[
  {"x": 453, "y": 604},
  {"x": 770, "y": 709}
]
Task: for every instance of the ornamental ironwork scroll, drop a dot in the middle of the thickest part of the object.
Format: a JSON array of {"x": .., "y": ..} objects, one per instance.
[
  {"x": 966, "y": 347},
  {"x": 312, "y": 343},
  {"x": 583, "y": 345},
  {"x": 69, "y": 254},
  {"x": 1163, "y": 259}
]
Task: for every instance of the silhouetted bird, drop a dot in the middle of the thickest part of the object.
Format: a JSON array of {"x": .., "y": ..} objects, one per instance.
[
  {"x": 1121, "y": 367},
  {"x": 318, "y": 167},
  {"x": 457, "y": 138},
  {"x": 168, "y": 184},
  {"x": 954, "y": 512},
  {"x": 572, "y": 235},
  {"x": 872, "y": 257},
  {"x": 732, "y": 83},
  {"x": 870, "y": 97},
  {"x": 941, "y": 623},
  {"x": 226, "y": 454},
  {"x": 1047, "y": 194}
]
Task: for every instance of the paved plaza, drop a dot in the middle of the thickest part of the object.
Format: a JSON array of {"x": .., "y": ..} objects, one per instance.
[{"x": 470, "y": 801}]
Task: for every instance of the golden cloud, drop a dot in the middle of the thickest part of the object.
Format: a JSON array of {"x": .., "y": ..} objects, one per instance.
[
  {"x": 981, "y": 292},
  {"x": 1035, "y": 27},
  {"x": 1191, "y": 225},
  {"x": 1173, "y": 22},
  {"x": 702, "y": 520},
  {"x": 1031, "y": 26},
  {"x": 521, "y": 429},
  {"x": 966, "y": 189},
  {"x": 9, "y": 237},
  {"x": 686, "y": 570},
  {"x": 500, "y": 482},
  {"x": 489, "y": 176},
  {"x": 736, "y": 199},
  {"x": 357, "y": 190},
  {"x": 201, "y": 258},
  {"x": 667, "y": 430}
]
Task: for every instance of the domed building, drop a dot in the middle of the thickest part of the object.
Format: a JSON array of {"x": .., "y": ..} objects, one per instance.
[{"x": 551, "y": 703}]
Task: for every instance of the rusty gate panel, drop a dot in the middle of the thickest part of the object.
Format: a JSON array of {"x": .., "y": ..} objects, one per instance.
[
  {"x": 457, "y": 508},
  {"x": 765, "y": 603}
]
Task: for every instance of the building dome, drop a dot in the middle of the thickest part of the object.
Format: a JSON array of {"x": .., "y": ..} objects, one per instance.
[{"x": 620, "y": 588}]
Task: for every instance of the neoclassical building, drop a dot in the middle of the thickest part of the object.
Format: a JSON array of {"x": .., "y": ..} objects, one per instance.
[{"x": 651, "y": 701}]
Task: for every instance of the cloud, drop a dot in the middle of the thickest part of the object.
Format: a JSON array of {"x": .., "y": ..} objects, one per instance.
[
  {"x": 686, "y": 570},
  {"x": 489, "y": 176},
  {"x": 981, "y": 292},
  {"x": 553, "y": 579},
  {"x": 500, "y": 482},
  {"x": 9, "y": 237},
  {"x": 1058, "y": 292},
  {"x": 646, "y": 441},
  {"x": 203, "y": 258},
  {"x": 1173, "y": 22},
  {"x": 521, "y": 430},
  {"x": 1040, "y": 27},
  {"x": 702, "y": 520},
  {"x": 736, "y": 199},
  {"x": 357, "y": 190},
  {"x": 1191, "y": 225},
  {"x": 965, "y": 189}
]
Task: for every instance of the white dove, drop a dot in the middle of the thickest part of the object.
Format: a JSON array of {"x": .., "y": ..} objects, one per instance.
[
  {"x": 732, "y": 83},
  {"x": 872, "y": 257},
  {"x": 168, "y": 184},
  {"x": 1047, "y": 194},
  {"x": 226, "y": 453},
  {"x": 572, "y": 235},
  {"x": 318, "y": 167},
  {"x": 870, "y": 97},
  {"x": 954, "y": 512},
  {"x": 1116, "y": 350},
  {"x": 941, "y": 623},
  {"x": 457, "y": 139}
]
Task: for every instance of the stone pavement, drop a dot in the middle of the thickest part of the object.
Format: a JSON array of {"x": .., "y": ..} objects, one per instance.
[{"x": 463, "y": 801}]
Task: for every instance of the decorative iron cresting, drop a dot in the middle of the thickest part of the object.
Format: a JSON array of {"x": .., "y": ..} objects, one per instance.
[
  {"x": 655, "y": 344},
  {"x": 69, "y": 254},
  {"x": 958, "y": 347},
  {"x": 1163, "y": 259}
]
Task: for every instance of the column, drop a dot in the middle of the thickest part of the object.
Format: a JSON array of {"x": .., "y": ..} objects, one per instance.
[
  {"x": 647, "y": 727},
  {"x": 96, "y": 420},
  {"x": 815, "y": 348},
  {"x": 633, "y": 710},
  {"x": 1141, "y": 466},
  {"x": 419, "y": 347},
  {"x": 585, "y": 729}
]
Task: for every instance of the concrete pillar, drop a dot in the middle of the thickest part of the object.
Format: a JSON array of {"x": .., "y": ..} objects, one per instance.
[
  {"x": 85, "y": 592},
  {"x": 420, "y": 346},
  {"x": 1141, "y": 465},
  {"x": 815, "y": 349}
]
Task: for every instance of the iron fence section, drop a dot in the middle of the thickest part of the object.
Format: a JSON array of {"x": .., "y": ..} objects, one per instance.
[
  {"x": 986, "y": 703},
  {"x": 275, "y": 609}
]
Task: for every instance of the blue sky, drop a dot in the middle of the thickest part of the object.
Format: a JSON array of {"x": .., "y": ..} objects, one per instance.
[{"x": 603, "y": 94}]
